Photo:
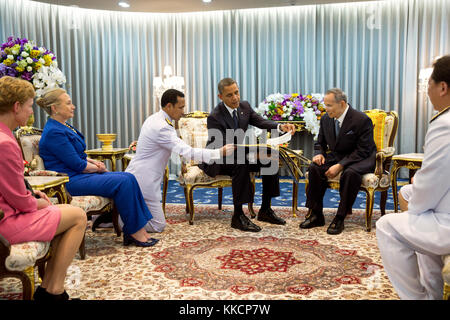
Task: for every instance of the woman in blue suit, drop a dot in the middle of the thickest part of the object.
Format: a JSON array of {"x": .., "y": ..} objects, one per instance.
[{"x": 62, "y": 147}]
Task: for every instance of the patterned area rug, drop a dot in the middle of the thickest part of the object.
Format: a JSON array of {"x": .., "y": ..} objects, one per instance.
[{"x": 210, "y": 260}]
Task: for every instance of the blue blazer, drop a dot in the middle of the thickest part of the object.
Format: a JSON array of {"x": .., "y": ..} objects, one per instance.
[{"x": 62, "y": 147}]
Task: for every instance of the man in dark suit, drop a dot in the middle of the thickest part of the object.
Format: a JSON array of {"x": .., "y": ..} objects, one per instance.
[
  {"x": 344, "y": 146},
  {"x": 228, "y": 118}
]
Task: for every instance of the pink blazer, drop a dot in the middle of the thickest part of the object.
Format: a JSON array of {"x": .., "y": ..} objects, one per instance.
[{"x": 22, "y": 221}]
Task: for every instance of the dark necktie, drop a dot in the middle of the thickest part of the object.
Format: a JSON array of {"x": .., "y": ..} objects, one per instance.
[
  {"x": 235, "y": 119},
  {"x": 336, "y": 127}
]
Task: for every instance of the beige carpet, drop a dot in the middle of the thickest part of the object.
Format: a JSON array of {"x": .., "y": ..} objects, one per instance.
[{"x": 210, "y": 260}]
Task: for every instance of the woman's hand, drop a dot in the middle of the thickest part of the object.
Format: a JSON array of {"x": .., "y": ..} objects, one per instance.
[
  {"x": 94, "y": 166},
  {"x": 43, "y": 200}
]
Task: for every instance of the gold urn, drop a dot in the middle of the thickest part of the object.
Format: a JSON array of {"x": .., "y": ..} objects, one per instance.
[{"x": 107, "y": 139}]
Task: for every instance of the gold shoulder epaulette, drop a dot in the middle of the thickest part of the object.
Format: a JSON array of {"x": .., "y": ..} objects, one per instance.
[
  {"x": 169, "y": 122},
  {"x": 437, "y": 115}
]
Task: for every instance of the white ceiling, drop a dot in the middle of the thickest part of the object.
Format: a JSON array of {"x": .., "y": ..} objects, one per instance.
[{"x": 186, "y": 5}]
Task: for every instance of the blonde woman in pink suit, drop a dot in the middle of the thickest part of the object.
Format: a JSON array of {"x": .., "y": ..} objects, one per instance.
[{"x": 27, "y": 218}]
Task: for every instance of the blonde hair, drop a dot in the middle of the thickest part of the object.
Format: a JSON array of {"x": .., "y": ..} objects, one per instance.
[
  {"x": 14, "y": 90},
  {"x": 50, "y": 98}
]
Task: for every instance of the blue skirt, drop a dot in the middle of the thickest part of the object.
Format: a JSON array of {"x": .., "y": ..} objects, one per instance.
[{"x": 120, "y": 186}]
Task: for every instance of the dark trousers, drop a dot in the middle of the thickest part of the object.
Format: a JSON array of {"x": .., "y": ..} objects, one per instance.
[
  {"x": 241, "y": 183},
  {"x": 348, "y": 188}
]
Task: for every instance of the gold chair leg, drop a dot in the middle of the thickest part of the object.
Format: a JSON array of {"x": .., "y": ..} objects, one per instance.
[
  {"x": 186, "y": 197},
  {"x": 446, "y": 292},
  {"x": 190, "y": 203},
  {"x": 28, "y": 283},
  {"x": 369, "y": 208}
]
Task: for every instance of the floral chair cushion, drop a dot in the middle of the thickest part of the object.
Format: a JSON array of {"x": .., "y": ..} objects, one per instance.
[
  {"x": 196, "y": 175},
  {"x": 369, "y": 180},
  {"x": 30, "y": 147},
  {"x": 388, "y": 128},
  {"x": 24, "y": 255},
  {"x": 90, "y": 203},
  {"x": 194, "y": 132}
]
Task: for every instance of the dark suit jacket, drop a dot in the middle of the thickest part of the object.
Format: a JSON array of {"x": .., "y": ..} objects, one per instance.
[
  {"x": 221, "y": 120},
  {"x": 353, "y": 147}
]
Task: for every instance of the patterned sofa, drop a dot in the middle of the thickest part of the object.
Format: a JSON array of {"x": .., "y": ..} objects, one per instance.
[{"x": 28, "y": 139}]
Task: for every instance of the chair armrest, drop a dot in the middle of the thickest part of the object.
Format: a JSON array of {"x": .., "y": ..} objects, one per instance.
[
  {"x": 46, "y": 173},
  {"x": 388, "y": 152},
  {"x": 5, "y": 250}
]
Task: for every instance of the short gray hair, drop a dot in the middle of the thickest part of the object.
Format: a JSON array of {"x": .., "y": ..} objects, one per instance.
[
  {"x": 339, "y": 95},
  {"x": 225, "y": 83}
]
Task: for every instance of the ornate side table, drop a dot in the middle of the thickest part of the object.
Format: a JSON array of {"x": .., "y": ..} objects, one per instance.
[
  {"x": 412, "y": 161},
  {"x": 52, "y": 186},
  {"x": 113, "y": 155}
]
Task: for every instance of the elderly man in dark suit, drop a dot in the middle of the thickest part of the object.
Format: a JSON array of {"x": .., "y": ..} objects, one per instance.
[
  {"x": 228, "y": 118},
  {"x": 345, "y": 145}
]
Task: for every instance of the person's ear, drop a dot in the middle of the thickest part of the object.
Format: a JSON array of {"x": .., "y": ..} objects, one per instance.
[
  {"x": 220, "y": 96},
  {"x": 16, "y": 107},
  {"x": 444, "y": 89}
]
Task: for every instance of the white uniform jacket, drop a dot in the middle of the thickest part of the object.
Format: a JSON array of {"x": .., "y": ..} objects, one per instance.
[{"x": 157, "y": 140}]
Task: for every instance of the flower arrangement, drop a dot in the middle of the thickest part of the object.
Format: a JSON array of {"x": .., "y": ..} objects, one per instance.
[
  {"x": 132, "y": 147},
  {"x": 21, "y": 58},
  {"x": 26, "y": 167},
  {"x": 294, "y": 107}
]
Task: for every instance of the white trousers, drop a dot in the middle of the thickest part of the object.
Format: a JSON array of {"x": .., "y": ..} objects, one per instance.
[
  {"x": 406, "y": 192},
  {"x": 411, "y": 247}
]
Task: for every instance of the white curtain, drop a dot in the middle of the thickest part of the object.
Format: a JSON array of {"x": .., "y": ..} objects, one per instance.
[{"x": 372, "y": 50}]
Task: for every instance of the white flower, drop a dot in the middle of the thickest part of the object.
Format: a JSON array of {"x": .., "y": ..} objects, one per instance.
[
  {"x": 29, "y": 60},
  {"x": 10, "y": 57},
  {"x": 29, "y": 69},
  {"x": 15, "y": 52},
  {"x": 24, "y": 54},
  {"x": 312, "y": 124}
]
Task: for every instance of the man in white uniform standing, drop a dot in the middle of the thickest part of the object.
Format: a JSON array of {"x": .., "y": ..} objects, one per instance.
[
  {"x": 157, "y": 140},
  {"x": 412, "y": 243}
]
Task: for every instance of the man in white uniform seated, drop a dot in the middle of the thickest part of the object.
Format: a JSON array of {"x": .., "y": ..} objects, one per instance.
[
  {"x": 412, "y": 243},
  {"x": 157, "y": 140}
]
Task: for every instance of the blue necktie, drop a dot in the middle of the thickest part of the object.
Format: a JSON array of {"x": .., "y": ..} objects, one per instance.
[
  {"x": 235, "y": 119},
  {"x": 336, "y": 127}
]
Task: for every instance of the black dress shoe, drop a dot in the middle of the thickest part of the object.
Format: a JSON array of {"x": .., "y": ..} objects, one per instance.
[
  {"x": 336, "y": 227},
  {"x": 313, "y": 221},
  {"x": 268, "y": 215},
  {"x": 241, "y": 222},
  {"x": 42, "y": 294}
]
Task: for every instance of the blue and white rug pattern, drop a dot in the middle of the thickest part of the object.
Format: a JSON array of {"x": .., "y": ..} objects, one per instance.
[{"x": 175, "y": 194}]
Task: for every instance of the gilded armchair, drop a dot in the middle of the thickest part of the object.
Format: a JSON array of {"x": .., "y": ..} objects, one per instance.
[
  {"x": 28, "y": 139},
  {"x": 385, "y": 131},
  {"x": 20, "y": 260},
  {"x": 193, "y": 130}
]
